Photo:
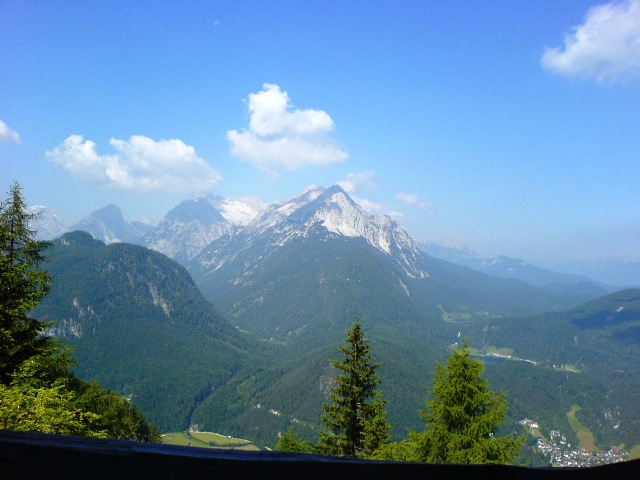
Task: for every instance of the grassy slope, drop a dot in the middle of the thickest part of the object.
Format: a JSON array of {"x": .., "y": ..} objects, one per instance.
[{"x": 206, "y": 440}]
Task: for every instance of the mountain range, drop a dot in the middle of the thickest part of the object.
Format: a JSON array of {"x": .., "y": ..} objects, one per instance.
[
  {"x": 238, "y": 337},
  {"x": 503, "y": 266},
  {"x": 197, "y": 221},
  {"x": 610, "y": 273},
  {"x": 318, "y": 260}
]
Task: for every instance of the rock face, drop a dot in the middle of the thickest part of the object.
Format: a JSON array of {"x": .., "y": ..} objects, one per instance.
[{"x": 187, "y": 229}]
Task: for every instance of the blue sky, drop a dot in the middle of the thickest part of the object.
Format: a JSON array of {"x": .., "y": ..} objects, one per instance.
[{"x": 510, "y": 126}]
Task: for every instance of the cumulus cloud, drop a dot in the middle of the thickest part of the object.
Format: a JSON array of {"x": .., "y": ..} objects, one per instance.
[
  {"x": 605, "y": 47},
  {"x": 414, "y": 200},
  {"x": 140, "y": 163},
  {"x": 281, "y": 137},
  {"x": 7, "y": 134},
  {"x": 358, "y": 181}
]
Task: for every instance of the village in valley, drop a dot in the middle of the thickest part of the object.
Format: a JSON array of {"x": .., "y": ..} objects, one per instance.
[{"x": 561, "y": 453}]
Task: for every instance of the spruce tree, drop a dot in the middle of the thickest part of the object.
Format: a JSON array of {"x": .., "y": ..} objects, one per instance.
[
  {"x": 355, "y": 420},
  {"x": 22, "y": 285},
  {"x": 376, "y": 429},
  {"x": 289, "y": 441},
  {"x": 463, "y": 417}
]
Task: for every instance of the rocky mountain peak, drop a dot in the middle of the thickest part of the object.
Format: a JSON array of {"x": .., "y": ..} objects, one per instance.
[
  {"x": 196, "y": 209},
  {"x": 277, "y": 212},
  {"x": 107, "y": 224},
  {"x": 187, "y": 229},
  {"x": 49, "y": 224},
  {"x": 331, "y": 211}
]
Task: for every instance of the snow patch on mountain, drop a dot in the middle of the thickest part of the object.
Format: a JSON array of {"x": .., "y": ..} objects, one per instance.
[
  {"x": 238, "y": 211},
  {"x": 279, "y": 211},
  {"x": 49, "y": 224}
]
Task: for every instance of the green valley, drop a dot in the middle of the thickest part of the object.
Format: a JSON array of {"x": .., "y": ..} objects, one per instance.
[{"x": 140, "y": 325}]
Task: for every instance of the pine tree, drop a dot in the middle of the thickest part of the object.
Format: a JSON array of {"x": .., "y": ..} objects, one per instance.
[
  {"x": 376, "y": 430},
  {"x": 355, "y": 420},
  {"x": 463, "y": 417},
  {"x": 289, "y": 441},
  {"x": 22, "y": 285}
]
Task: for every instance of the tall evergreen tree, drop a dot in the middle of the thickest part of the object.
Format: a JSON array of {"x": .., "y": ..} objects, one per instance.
[
  {"x": 463, "y": 417},
  {"x": 355, "y": 420},
  {"x": 22, "y": 285}
]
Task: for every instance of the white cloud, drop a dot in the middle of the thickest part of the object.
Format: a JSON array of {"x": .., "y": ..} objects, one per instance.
[
  {"x": 605, "y": 47},
  {"x": 140, "y": 163},
  {"x": 283, "y": 138},
  {"x": 408, "y": 198},
  {"x": 358, "y": 181},
  {"x": 414, "y": 200},
  {"x": 7, "y": 134}
]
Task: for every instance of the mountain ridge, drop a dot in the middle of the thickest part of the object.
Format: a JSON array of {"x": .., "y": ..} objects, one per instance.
[
  {"x": 187, "y": 229},
  {"x": 241, "y": 212},
  {"x": 507, "y": 267},
  {"x": 244, "y": 211}
]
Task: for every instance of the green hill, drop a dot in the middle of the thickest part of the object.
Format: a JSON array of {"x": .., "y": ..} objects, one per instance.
[{"x": 139, "y": 324}]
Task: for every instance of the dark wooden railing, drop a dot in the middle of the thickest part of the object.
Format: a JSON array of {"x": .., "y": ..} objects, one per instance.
[{"x": 26, "y": 455}]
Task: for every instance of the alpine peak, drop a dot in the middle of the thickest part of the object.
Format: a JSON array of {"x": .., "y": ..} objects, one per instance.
[{"x": 332, "y": 211}]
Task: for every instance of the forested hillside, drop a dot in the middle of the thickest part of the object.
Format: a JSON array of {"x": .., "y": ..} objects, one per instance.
[
  {"x": 139, "y": 325},
  {"x": 587, "y": 355}
]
